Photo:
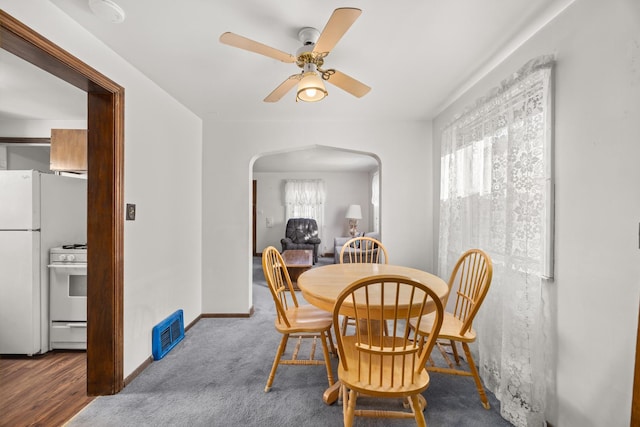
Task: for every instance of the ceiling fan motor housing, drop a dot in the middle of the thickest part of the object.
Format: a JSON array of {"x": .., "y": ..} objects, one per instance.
[
  {"x": 305, "y": 55},
  {"x": 308, "y": 35}
]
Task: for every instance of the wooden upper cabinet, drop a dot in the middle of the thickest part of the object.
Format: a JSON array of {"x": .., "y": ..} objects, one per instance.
[{"x": 68, "y": 150}]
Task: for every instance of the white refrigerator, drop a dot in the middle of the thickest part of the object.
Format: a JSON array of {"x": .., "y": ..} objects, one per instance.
[{"x": 38, "y": 211}]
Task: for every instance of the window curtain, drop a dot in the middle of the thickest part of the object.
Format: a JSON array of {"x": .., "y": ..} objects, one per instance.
[
  {"x": 375, "y": 200},
  {"x": 305, "y": 198},
  {"x": 496, "y": 195}
]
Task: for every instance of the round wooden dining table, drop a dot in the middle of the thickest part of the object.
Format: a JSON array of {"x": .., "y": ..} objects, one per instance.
[{"x": 321, "y": 286}]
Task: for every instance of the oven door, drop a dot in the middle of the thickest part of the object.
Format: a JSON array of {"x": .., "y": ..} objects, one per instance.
[{"x": 68, "y": 292}]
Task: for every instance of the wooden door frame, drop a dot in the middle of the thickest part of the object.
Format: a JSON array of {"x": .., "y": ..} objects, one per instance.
[
  {"x": 635, "y": 400},
  {"x": 105, "y": 211},
  {"x": 254, "y": 209}
]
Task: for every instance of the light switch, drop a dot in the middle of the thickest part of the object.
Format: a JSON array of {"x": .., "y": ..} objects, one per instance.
[{"x": 131, "y": 212}]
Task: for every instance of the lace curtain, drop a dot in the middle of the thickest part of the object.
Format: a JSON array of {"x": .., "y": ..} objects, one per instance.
[
  {"x": 496, "y": 195},
  {"x": 304, "y": 198}
]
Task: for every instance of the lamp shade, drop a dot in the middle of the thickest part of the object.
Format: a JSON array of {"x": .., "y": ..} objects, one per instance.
[
  {"x": 354, "y": 212},
  {"x": 311, "y": 88}
]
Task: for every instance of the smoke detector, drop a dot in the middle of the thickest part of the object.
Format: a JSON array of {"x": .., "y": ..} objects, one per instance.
[{"x": 107, "y": 10}]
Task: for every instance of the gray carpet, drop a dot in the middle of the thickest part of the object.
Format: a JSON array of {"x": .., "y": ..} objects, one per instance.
[{"x": 216, "y": 377}]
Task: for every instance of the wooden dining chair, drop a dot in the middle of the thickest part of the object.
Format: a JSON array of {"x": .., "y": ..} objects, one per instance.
[
  {"x": 301, "y": 321},
  {"x": 471, "y": 277},
  {"x": 361, "y": 250},
  {"x": 364, "y": 250},
  {"x": 385, "y": 365}
]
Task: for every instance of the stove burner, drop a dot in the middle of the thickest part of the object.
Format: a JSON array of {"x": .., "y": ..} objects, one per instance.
[{"x": 75, "y": 246}]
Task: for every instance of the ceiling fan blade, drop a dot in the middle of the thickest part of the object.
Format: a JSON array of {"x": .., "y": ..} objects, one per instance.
[
  {"x": 340, "y": 21},
  {"x": 348, "y": 84},
  {"x": 235, "y": 40},
  {"x": 284, "y": 87}
]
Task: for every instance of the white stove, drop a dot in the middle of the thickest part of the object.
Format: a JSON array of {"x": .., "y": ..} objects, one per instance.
[{"x": 68, "y": 297}]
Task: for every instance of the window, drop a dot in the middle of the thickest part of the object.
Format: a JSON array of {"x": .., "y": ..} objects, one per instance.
[
  {"x": 496, "y": 195},
  {"x": 305, "y": 198}
]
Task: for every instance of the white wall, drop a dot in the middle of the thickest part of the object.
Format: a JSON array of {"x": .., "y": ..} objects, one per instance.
[
  {"x": 17, "y": 157},
  {"x": 36, "y": 128},
  {"x": 594, "y": 305},
  {"x": 343, "y": 189},
  {"x": 20, "y": 157},
  {"x": 163, "y": 145},
  {"x": 405, "y": 153}
]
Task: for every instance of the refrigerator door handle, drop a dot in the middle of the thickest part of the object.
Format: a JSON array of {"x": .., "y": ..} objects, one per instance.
[
  {"x": 79, "y": 265},
  {"x": 77, "y": 325}
]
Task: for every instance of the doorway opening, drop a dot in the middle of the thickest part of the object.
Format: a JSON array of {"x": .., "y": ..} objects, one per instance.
[
  {"x": 105, "y": 224},
  {"x": 347, "y": 174}
]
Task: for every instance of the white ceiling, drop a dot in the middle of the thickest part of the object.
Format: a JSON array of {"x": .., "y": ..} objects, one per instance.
[
  {"x": 27, "y": 92},
  {"x": 417, "y": 56}
]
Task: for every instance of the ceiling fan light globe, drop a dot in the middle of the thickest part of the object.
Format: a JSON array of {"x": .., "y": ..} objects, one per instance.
[{"x": 311, "y": 88}]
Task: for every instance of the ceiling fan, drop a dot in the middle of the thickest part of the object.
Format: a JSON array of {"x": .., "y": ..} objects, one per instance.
[{"x": 310, "y": 57}]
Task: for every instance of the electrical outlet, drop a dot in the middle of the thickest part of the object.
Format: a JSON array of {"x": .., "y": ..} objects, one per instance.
[{"x": 131, "y": 212}]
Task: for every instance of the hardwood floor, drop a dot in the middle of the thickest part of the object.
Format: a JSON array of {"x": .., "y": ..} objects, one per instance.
[{"x": 45, "y": 390}]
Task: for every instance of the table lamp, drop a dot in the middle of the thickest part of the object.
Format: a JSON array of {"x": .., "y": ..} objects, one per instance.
[{"x": 354, "y": 213}]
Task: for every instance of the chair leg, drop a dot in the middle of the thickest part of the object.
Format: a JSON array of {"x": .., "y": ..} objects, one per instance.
[
  {"x": 445, "y": 356},
  {"x": 349, "y": 406},
  {"x": 276, "y": 361},
  {"x": 326, "y": 335},
  {"x": 406, "y": 402},
  {"x": 331, "y": 346},
  {"x": 417, "y": 411},
  {"x": 454, "y": 348},
  {"x": 476, "y": 377},
  {"x": 344, "y": 395}
]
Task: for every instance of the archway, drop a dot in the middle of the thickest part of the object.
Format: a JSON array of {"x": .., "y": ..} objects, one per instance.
[{"x": 347, "y": 173}]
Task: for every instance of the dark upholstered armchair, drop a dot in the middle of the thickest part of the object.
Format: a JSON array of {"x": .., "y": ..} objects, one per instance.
[{"x": 302, "y": 233}]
